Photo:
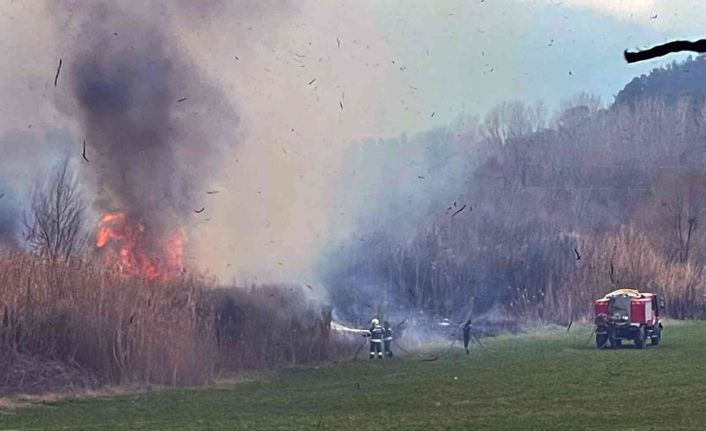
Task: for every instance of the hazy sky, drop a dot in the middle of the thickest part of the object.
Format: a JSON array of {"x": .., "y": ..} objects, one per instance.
[{"x": 389, "y": 64}]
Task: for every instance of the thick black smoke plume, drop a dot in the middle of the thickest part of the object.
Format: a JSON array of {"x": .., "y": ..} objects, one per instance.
[{"x": 155, "y": 129}]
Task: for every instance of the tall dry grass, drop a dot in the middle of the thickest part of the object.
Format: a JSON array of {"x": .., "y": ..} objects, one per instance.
[
  {"x": 176, "y": 331},
  {"x": 638, "y": 263},
  {"x": 268, "y": 326},
  {"x": 123, "y": 329},
  {"x": 627, "y": 258}
]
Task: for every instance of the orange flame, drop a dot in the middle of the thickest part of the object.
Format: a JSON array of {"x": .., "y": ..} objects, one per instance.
[{"x": 124, "y": 241}]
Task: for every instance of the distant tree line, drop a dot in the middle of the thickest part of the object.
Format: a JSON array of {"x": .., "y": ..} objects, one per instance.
[{"x": 560, "y": 210}]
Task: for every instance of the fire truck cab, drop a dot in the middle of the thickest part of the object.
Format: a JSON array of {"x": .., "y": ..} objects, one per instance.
[{"x": 627, "y": 314}]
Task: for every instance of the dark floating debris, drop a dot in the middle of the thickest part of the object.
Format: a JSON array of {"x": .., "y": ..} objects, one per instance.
[
  {"x": 58, "y": 71},
  {"x": 181, "y": 100},
  {"x": 459, "y": 210},
  {"x": 578, "y": 256},
  {"x": 84, "y": 151},
  {"x": 312, "y": 81},
  {"x": 199, "y": 211}
]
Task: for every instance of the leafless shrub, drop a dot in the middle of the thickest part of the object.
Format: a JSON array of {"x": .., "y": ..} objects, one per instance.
[{"x": 55, "y": 220}]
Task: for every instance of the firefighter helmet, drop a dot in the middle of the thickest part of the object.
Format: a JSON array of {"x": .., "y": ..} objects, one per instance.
[{"x": 375, "y": 322}]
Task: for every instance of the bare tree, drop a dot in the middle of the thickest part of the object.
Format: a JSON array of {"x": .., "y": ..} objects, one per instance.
[
  {"x": 510, "y": 120},
  {"x": 682, "y": 200},
  {"x": 592, "y": 102},
  {"x": 54, "y": 223}
]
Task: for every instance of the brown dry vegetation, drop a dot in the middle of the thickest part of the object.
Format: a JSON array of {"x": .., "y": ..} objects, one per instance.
[
  {"x": 268, "y": 326},
  {"x": 623, "y": 259},
  {"x": 123, "y": 330}
]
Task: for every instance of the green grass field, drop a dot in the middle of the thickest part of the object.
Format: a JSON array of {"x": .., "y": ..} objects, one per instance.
[{"x": 548, "y": 380}]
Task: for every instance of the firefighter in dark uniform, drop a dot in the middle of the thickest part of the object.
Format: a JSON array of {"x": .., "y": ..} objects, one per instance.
[
  {"x": 466, "y": 335},
  {"x": 387, "y": 338},
  {"x": 375, "y": 339}
]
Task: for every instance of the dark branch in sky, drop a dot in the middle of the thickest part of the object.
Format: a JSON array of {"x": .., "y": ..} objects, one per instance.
[{"x": 660, "y": 50}]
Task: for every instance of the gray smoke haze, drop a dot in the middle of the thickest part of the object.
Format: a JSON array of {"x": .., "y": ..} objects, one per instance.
[
  {"x": 8, "y": 217},
  {"x": 381, "y": 69}
]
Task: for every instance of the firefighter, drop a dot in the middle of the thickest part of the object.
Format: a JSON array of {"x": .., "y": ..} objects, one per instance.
[
  {"x": 387, "y": 338},
  {"x": 375, "y": 334},
  {"x": 467, "y": 335}
]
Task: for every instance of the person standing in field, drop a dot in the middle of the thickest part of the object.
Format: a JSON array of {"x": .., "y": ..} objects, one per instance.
[
  {"x": 466, "y": 335},
  {"x": 387, "y": 338},
  {"x": 376, "y": 332}
]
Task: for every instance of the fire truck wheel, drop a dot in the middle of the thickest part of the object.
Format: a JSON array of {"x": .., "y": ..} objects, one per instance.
[
  {"x": 657, "y": 338},
  {"x": 640, "y": 338},
  {"x": 601, "y": 340},
  {"x": 616, "y": 342}
]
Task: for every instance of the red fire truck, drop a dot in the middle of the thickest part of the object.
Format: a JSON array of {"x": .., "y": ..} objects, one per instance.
[{"x": 627, "y": 314}]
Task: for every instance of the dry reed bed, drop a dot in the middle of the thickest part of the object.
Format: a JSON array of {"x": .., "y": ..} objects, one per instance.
[
  {"x": 130, "y": 330},
  {"x": 623, "y": 259}
]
